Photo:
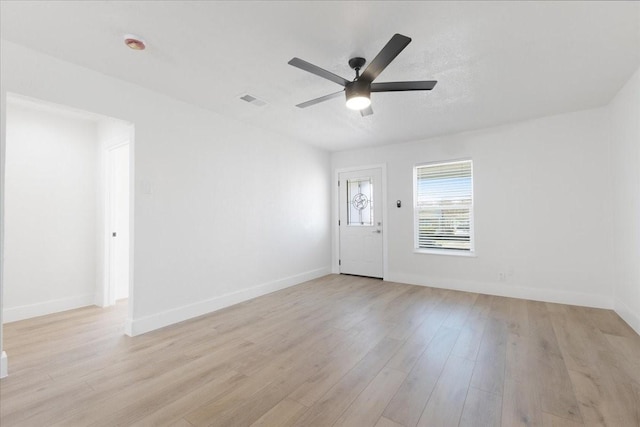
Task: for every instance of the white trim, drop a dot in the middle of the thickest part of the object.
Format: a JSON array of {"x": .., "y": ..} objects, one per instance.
[
  {"x": 4, "y": 365},
  {"x": 628, "y": 315},
  {"x": 132, "y": 204},
  {"x": 447, "y": 252},
  {"x": 512, "y": 291},
  {"x": 13, "y": 314},
  {"x": 385, "y": 220},
  {"x": 155, "y": 321},
  {"x": 3, "y": 136},
  {"x": 335, "y": 215}
]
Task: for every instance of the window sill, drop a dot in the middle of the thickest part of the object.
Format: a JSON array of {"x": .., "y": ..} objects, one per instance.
[{"x": 468, "y": 254}]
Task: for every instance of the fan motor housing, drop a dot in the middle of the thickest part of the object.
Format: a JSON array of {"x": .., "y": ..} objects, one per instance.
[{"x": 358, "y": 88}]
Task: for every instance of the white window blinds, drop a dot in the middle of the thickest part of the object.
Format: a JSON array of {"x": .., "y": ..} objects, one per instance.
[{"x": 443, "y": 203}]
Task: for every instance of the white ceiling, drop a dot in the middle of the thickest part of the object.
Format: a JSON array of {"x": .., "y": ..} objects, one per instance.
[{"x": 495, "y": 62}]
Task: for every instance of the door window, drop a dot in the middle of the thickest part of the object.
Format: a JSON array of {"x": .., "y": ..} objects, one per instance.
[{"x": 360, "y": 202}]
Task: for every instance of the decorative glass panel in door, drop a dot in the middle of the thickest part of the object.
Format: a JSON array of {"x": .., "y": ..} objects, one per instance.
[{"x": 360, "y": 201}]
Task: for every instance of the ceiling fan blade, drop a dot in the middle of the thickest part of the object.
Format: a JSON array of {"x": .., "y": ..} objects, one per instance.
[
  {"x": 402, "y": 86},
  {"x": 319, "y": 100},
  {"x": 397, "y": 43},
  {"x": 314, "y": 69},
  {"x": 366, "y": 112}
]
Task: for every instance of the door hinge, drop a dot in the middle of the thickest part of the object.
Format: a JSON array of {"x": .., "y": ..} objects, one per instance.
[
  {"x": 338, "y": 183},
  {"x": 339, "y": 262},
  {"x": 338, "y": 223}
]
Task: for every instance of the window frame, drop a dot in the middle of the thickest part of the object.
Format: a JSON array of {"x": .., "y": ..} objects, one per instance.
[{"x": 471, "y": 252}]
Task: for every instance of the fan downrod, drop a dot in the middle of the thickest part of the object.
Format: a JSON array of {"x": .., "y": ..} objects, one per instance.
[{"x": 357, "y": 63}]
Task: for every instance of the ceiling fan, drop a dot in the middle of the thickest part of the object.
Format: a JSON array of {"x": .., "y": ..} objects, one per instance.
[{"x": 358, "y": 91}]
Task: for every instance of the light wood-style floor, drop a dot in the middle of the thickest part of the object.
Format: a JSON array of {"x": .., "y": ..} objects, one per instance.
[{"x": 337, "y": 351}]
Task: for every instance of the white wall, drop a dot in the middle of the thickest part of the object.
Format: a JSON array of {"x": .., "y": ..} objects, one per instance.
[
  {"x": 50, "y": 215},
  {"x": 625, "y": 145},
  {"x": 542, "y": 215},
  {"x": 222, "y": 211}
]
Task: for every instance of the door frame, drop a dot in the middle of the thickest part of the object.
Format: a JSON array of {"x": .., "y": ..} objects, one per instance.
[{"x": 335, "y": 214}]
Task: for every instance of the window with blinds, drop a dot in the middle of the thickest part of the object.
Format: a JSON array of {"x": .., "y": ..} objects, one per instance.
[{"x": 443, "y": 201}]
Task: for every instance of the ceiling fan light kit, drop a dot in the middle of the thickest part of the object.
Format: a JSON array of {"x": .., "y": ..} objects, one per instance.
[
  {"x": 358, "y": 95},
  {"x": 358, "y": 91}
]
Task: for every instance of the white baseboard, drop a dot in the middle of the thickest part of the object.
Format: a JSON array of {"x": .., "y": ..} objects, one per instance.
[
  {"x": 508, "y": 290},
  {"x": 628, "y": 315},
  {"x": 13, "y": 314},
  {"x": 149, "y": 323},
  {"x": 4, "y": 365}
]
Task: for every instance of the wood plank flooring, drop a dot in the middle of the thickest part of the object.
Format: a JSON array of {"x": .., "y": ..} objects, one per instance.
[{"x": 336, "y": 351}]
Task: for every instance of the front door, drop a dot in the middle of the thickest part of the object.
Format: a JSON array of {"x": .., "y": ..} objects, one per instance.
[{"x": 361, "y": 222}]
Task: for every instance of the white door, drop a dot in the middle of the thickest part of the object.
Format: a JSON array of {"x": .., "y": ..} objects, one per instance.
[
  {"x": 361, "y": 222},
  {"x": 119, "y": 214}
]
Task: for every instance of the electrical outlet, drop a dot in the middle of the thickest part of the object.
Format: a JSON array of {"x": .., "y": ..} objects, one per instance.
[{"x": 502, "y": 276}]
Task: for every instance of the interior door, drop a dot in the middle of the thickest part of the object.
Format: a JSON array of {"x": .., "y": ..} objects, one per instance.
[
  {"x": 361, "y": 222},
  {"x": 119, "y": 211}
]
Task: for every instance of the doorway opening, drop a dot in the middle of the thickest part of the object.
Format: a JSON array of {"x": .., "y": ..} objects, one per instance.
[{"x": 68, "y": 188}]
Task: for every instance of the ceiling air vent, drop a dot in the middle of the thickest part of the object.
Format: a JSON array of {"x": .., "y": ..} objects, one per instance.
[{"x": 253, "y": 100}]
